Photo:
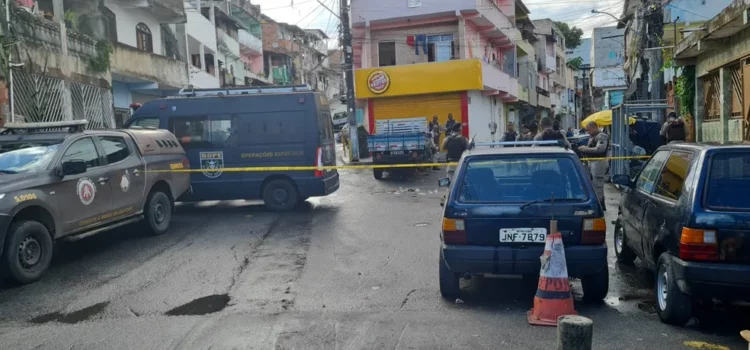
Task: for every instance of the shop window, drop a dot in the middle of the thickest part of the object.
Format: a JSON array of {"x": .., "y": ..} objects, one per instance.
[{"x": 387, "y": 54}]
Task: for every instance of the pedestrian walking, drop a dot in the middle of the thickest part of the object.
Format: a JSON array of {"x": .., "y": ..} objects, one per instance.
[
  {"x": 673, "y": 129},
  {"x": 549, "y": 133},
  {"x": 597, "y": 148},
  {"x": 455, "y": 144},
  {"x": 509, "y": 134}
]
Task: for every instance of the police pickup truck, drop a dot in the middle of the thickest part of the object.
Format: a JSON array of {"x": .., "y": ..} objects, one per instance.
[{"x": 58, "y": 180}]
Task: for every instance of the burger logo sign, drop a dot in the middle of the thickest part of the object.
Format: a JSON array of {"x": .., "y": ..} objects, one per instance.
[{"x": 378, "y": 81}]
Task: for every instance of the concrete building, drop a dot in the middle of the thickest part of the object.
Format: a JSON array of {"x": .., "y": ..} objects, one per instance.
[
  {"x": 280, "y": 49},
  {"x": 719, "y": 58},
  {"x": 437, "y": 58},
  {"x": 250, "y": 37},
  {"x": 146, "y": 62},
  {"x": 608, "y": 83},
  {"x": 550, "y": 49},
  {"x": 202, "y": 48}
]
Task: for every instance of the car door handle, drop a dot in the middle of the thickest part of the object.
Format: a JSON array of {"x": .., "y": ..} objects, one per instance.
[{"x": 102, "y": 180}]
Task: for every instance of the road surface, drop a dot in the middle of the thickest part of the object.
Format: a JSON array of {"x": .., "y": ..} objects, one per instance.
[{"x": 354, "y": 270}]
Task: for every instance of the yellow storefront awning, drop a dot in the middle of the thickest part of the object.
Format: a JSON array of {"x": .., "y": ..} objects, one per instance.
[
  {"x": 417, "y": 79},
  {"x": 602, "y": 118}
]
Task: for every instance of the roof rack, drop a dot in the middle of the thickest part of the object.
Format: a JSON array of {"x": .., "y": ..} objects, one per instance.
[
  {"x": 522, "y": 143},
  {"x": 71, "y": 125},
  {"x": 256, "y": 90}
]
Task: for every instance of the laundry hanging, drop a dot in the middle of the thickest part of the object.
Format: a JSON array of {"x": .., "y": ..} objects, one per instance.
[{"x": 423, "y": 40}]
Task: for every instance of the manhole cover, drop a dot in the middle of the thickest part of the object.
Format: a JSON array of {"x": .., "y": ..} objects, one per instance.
[
  {"x": 422, "y": 224},
  {"x": 647, "y": 306}
]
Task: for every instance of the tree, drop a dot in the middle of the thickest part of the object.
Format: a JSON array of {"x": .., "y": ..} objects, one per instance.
[
  {"x": 572, "y": 34},
  {"x": 575, "y": 62}
]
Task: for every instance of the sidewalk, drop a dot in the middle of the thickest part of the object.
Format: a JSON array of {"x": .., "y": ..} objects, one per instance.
[{"x": 344, "y": 156}]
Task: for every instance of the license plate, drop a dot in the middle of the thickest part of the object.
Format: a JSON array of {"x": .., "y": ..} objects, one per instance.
[
  {"x": 523, "y": 235},
  {"x": 397, "y": 152}
]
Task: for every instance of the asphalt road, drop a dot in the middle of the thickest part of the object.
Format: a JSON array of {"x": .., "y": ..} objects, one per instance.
[{"x": 357, "y": 269}]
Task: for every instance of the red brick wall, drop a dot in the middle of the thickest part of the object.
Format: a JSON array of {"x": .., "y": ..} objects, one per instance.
[{"x": 270, "y": 35}]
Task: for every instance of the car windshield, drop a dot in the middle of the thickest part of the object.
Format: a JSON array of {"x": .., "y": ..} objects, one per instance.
[
  {"x": 728, "y": 185},
  {"x": 26, "y": 156},
  {"x": 521, "y": 179}
]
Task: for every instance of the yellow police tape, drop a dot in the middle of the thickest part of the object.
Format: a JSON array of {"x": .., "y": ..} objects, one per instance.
[{"x": 359, "y": 166}]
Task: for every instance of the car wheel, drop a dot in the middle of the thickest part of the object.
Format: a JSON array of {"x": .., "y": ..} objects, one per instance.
[
  {"x": 378, "y": 174},
  {"x": 672, "y": 305},
  {"x": 158, "y": 213},
  {"x": 28, "y": 251},
  {"x": 449, "y": 281},
  {"x": 624, "y": 253},
  {"x": 280, "y": 195},
  {"x": 596, "y": 286}
]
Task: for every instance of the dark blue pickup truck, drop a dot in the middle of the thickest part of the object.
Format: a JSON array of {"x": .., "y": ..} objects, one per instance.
[{"x": 686, "y": 215}]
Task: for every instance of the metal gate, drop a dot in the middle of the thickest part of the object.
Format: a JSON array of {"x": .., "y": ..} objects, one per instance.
[
  {"x": 622, "y": 147},
  {"x": 39, "y": 98}
]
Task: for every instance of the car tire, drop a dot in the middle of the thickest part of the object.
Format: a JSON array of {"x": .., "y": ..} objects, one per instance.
[
  {"x": 280, "y": 195},
  {"x": 672, "y": 305},
  {"x": 378, "y": 174},
  {"x": 27, "y": 252},
  {"x": 596, "y": 286},
  {"x": 624, "y": 253},
  {"x": 449, "y": 281},
  {"x": 158, "y": 213}
]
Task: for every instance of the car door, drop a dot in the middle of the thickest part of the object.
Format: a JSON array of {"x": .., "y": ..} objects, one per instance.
[
  {"x": 636, "y": 199},
  {"x": 662, "y": 214},
  {"x": 85, "y": 197},
  {"x": 125, "y": 169}
]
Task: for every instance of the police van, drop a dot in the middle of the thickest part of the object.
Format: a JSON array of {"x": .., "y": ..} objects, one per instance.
[{"x": 250, "y": 127}]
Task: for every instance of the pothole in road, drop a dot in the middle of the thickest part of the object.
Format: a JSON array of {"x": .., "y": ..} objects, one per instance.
[
  {"x": 73, "y": 317},
  {"x": 201, "y": 306}
]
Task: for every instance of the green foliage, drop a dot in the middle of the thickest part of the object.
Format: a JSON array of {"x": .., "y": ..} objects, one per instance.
[
  {"x": 572, "y": 34},
  {"x": 685, "y": 91},
  {"x": 71, "y": 17},
  {"x": 576, "y": 62},
  {"x": 100, "y": 62}
]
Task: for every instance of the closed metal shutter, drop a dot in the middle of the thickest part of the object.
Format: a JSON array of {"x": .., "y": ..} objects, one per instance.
[{"x": 419, "y": 106}]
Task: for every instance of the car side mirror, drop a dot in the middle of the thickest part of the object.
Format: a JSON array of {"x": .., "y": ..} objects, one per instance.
[
  {"x": 444, "y": 182},
  {"x": 73, "y": 167},
  {"x": 622, "y": 180}
]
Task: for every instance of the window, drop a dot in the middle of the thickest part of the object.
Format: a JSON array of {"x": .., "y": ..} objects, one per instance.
[
  {"x": 647, "y": 179},
  {"x": 201, "y": 132},
  {"x": 145, "y": 123},
  {"x": 84, "y": 150},
  {"x": 144, "y": 40},
  {"x": 387, "y": 54},
  {"x": 264, "y": 129},
  {"x": 115, "y": 148},
  {"x": 673, "y": 175},
  {"x": 325, "y": 127},
  {"x": 439, "y": 48},
  {"x": 521, "y": 179},
  {"x": 728, "y": 184},
  {"x": 111, "y": 24},
  {"x": 26, "y": 156}
]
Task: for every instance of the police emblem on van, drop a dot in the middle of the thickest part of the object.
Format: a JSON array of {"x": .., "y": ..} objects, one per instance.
[{"x": 212, "y": 164}]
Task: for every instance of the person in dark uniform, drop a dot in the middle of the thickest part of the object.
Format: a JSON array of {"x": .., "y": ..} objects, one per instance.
[
  {"x": 449, "y": 124},
  {"x": 549, "y": 133},
  {"x": 509, "y": 135},
  {"x": 455, "y": 144}
]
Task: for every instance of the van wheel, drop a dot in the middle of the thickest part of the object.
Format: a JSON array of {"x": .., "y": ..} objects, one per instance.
[
  {"x": 377, "y": 173},
  {"x": 672, "y": 305},
  {"x": 624, "y": 253},
  {"x": 28, "y": 251},
  {"x": 449, "y": 281},
  {"x": 158, "y": 213},
  {"x": 280, "y": 195}
]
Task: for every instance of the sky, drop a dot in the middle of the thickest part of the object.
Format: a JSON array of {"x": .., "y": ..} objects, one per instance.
[{"x": 311, "y": 14}]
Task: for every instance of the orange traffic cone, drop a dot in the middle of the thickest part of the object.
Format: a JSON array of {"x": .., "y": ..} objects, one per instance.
[{"x": 553, "y": 298}]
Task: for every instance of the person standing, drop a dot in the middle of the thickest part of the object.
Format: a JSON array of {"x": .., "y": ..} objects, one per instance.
[
  {"x": 549, "y": 133},
  {"x": 597, "y": 148},
  {"x": 673, "y": 129},
  {"x": 434, "y": 128},
  {"x": 455, "y": 144},
  {"x": 509, "y": 135},
  {"x": 449, "y": 124},
  {"x": 532, "y": 130}
]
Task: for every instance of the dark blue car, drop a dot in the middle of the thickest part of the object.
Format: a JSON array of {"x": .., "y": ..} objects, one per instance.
[
  {"x": 250, "y": 128},
  {"x": 686, "y": 215},
  {"x": 497, "y": 216}
]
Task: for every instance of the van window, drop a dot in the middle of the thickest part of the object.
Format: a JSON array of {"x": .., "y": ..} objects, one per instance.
[
  {"x": 146, "y": 123},
  {"x": 325, "y": 127},
  {"x": 201, "y": 132},
  {"x": 272, "y": 128},
  {"x": 673, "y": 175},
  {"x": 728, "y": 185}
]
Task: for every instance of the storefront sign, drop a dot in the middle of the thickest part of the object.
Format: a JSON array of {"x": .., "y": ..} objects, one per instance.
[{"x": 378, "y": 81}]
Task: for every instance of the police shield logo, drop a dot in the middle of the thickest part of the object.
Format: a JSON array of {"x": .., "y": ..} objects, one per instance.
[{"x": 212, "y": 164}]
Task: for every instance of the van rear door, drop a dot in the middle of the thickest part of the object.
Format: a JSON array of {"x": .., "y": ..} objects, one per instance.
[{"x": 327, "y": 140}]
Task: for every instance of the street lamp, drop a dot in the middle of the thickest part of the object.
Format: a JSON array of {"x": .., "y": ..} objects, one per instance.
[{"x": 608, "y": 14}]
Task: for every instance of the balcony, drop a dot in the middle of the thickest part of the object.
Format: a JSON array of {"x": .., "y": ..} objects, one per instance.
[
  {"x": 166, "y": 11},
  {"x": 550, "y": 64},
  {"x": 203, "y": 80},
  {"x": 494, "y": 79},
  {"x": 132, "y": 65},
  {"x": 554, "y": 101},
  {"x": 491, "y": 21},
  {"x": 544, "y": 101},
  {"x": 227, "y": 44},
  {"x": 250, "y": 44},
  {"x": 523, "y": 94},
  {"x": 280, "y": 76}
]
